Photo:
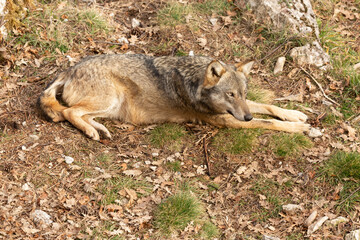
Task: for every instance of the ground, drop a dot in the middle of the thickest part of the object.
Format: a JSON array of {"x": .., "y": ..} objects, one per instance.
[{"x": 184, "y": 181}]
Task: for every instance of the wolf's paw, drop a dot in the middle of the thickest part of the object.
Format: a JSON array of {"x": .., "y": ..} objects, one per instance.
[
  {"x": 292, "y": 116},
  {"x": 93, "y": 134},
  {"x": 299, "y": 127}
]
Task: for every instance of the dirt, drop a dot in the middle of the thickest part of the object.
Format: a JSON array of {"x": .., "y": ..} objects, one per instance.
[{"x": 34, "y": 174}]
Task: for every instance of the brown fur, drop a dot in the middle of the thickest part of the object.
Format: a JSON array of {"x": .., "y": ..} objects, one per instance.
[{"x": 140, "y": 89}]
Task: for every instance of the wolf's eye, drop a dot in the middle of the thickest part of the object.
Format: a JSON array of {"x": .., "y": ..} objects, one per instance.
[{"x": 230, "y": 94}]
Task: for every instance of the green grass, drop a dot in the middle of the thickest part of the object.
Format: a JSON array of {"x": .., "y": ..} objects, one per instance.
[
  {"x": 176, "y": 212},
  {"x": 175, "y": 13},
  {"x": 209, "y": 231},
  {"x": 285, "y": 144},
  {"x": 60, "y": 29},
  {"x": 235, "y": 141},
  {"x": 168, "y": 135},
  {"x": 174, "y": 166},
  {"x": 275, "y": 196},
  {"x": 259, "y": 94},
  {"x": 110, "y": 188},
  {"x": 344, "y": 168}
]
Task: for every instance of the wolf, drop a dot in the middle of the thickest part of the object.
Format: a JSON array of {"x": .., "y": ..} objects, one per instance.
[{"x": 141, "y": 89}]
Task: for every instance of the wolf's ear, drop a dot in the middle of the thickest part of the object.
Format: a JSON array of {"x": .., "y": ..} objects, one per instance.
[
  {"x": 245, "y": 67},
  {"x": 214, "y": 71}
]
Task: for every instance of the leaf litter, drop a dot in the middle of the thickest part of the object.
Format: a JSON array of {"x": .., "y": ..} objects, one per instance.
[{"x": 43, "y": 193}]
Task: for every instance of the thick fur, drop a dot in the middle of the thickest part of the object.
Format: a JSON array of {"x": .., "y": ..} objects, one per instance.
[{"x": 140, "y": 89}]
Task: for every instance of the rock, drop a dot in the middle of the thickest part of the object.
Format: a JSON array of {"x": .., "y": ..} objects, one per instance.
[
  {"x": 34, "y": 137},
  {"x": 314, "y": 133},
  {"x": 311, "y": 54},
  {"x": 296, "y": 15},
  {"x": 155, "y": 154},
  {"x": 123, "y": 40},
  {"x": 279, "y": 65},
  {"x": 69, "y": 160},
  {"x": 266, "y": 237},
  {"x": 191, "y": 53},
  {"x": 311, "y": 218},
  {"x": 25, "y": 187},
  {"x": 353, "y": 235},
  {"x": 135, "y": 23},
  {"x": 292, "y": 208},
  {"x": 213, "y": 21},
  {"x": 41, "y": 217},
  {"x": 314, "y": 227},
  {"x": 334, "y": 222}
]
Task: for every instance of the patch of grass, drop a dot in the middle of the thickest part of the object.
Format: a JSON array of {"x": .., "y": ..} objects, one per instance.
[
  {"x": 213, "y": 6},
  {"x": 173, "y": 14},
  {"x": 344, "y": 168},
  {"x": 273, "y": 193},
  {"x": 176, "y": 212},
  {"x": 174, "y": 166},
  {"x": 285, "y": 144},
  {"x": 58, "y": 29},
  {"x": 169, "y": 135},
  {"x": 259, "y": 94},
  {"x": 110, "y": 188},
  {"x": 235, "y": 141},
  {"x": 209, "y": 231},
  {"x": 104, "y": 159}
]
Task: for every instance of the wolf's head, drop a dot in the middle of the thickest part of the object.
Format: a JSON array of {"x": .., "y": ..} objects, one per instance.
[{"x": 224, "y": 89}]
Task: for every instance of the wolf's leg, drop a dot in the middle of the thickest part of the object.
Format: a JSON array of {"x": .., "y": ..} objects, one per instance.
[
  {"x": 74, "y": 116},
  {"x": 227, "y": 120},
  {"x": 96, "y": 125},
  {"x": 283, "y": 114}
]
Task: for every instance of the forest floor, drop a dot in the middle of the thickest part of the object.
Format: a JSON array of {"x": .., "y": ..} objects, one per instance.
[{"x": 179, "y": 181}]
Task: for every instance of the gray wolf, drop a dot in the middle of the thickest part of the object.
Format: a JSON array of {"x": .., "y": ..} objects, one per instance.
[{"x": 140, "y": 89}]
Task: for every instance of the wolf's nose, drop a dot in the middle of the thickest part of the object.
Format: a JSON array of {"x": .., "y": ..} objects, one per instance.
[{"x": 248, "y": 117}]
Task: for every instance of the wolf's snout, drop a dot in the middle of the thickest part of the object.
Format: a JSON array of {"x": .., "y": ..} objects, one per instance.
[{"x": 248, "y": 117}]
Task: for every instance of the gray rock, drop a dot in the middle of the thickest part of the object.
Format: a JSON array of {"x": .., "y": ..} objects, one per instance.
[{"x": 353, "y": 235}]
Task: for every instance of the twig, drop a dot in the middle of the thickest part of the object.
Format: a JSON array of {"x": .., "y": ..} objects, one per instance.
[
  {"x": 356, "y": 190},
  {"x": 318, "y": 84},
  {"x": 113, "y": 43},
  {"x": 206, "y": 157}
]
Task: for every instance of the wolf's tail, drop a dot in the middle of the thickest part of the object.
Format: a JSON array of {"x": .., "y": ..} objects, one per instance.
[{"x": 48, "y": 102}]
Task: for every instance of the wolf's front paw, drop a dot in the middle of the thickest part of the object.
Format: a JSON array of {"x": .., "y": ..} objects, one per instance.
[
  {"x": 93, "y": 134},
  {"x": 300, "y": 127},
  {"x": 292, "y": 116}
]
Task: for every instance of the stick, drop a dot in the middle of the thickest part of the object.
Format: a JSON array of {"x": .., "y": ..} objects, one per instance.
[
  {"x": 206, "y": 157},
  {"x": 318, "y": 84},
  {"x": 356, "y": 190}
]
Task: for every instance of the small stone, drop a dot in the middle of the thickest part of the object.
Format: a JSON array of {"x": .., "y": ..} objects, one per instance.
[
  {"x": 153, "y": 168},
  {"x": 314, "y": 227},
  {"x": 336, "y": 221},
  {"x": 69, "y": 160},
  {"x": 266, "y": 237},
  {"x": 123, "y": 40},
  {"x": 279, "y": 65},
  {"x": 353, "y": 235},
  {"x": 191, "y": 53},
  {"x": 311, "y": 218},
  {"x": 177, "y": 155},
  {"x": 213, "y": 21},
  {"x": 34, "y": 137},
  {"x": 147, "y": 162},
  {"x": 314, "y": 133},
  {"x": 39, "y": 216},
  {"x": 135, "y": 23},
  {"x": 155, "y": 154},
  {"x": 292, "y": 208},
  {"x": 25, "y": 187}
]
